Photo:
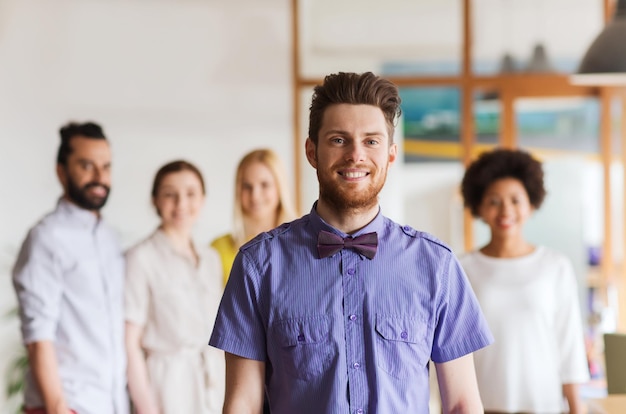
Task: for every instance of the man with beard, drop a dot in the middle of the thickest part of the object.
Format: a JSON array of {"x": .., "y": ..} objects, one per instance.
[
  {"x": 68, "y": 278},
  {"x": 341, "y": 310}
]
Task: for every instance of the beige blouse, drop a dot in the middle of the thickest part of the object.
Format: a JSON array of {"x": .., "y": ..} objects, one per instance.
[{"x": 175, "y": 301}]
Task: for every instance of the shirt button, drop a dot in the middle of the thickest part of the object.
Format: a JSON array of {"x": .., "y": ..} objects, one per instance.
[
  {"x": 359, "y": 411},
  {"x": 351, "y": 272},
  {"x": 356, "y": 365},
  {"x": 300, "y": 338},
  {"x": 353, "y": 317},
  {"x": 404, "y": 335},
  {"x": 407, "y": 228}
]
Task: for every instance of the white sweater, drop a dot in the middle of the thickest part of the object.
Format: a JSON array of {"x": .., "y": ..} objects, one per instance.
[{"x": 531, "y": 305}]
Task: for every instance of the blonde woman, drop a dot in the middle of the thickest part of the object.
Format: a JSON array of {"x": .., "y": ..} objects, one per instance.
[
  {"x": 173, "y": 287},
  {"x": 262, "y": 202}
]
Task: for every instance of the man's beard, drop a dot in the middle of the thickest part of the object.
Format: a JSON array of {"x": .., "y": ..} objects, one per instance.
[
  {"x": 344, "y": 199},
  {"x": 80, "y": 195}
]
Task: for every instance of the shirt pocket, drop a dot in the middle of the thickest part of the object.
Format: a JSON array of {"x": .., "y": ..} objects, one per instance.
[
  {"x": 305, "y": 346},
  {"x": 402, "y": 348}
]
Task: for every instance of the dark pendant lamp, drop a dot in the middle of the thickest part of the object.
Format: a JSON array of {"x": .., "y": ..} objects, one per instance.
[
  {"x": 539, "y": 62},
  {"x": 604, "y": 63}
]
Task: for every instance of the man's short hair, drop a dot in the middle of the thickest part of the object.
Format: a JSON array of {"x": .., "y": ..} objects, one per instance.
[
  {"x": 74, "y": 129},
  {"x": 356, "y": 89}
]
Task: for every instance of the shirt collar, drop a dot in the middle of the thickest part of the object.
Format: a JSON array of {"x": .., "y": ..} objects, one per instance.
[
  {"x": 85, "y": 217},
  {"x": 318, "y": 223},
  {"x": 164, "y": 242}
]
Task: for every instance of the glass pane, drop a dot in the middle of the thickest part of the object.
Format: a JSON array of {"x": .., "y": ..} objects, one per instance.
[
  {"x": 487, "y": 117},
  {"x": 616, "y": 125},
  {"x": 562, "y": 124},
  {"x": 431, "y": 124},
  {"x": 507, "y": 33},
  {"x": 432, "y": 201},
  {"x": 392, "y": 37}
]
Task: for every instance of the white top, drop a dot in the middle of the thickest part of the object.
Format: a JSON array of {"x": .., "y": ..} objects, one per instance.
[
  {"x": 532, "y": 307},
  {"x": 176, "y": 303},
  {"x": 68, "y": 278}
]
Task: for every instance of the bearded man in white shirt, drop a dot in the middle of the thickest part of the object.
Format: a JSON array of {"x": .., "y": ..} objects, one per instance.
[{"x": 68, "y": 279}]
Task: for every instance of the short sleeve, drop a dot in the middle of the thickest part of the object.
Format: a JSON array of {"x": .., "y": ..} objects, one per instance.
[
  {"x": 137, "y": 290},
  {"x": 239, "y": 327},
  {"x": 461, "y": 327},
  {"x": 569, "y": 329},
  {"x": 38, "y": 282}
]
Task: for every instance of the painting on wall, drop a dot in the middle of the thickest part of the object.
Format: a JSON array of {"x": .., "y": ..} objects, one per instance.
[{"x": 432, "y": 122}]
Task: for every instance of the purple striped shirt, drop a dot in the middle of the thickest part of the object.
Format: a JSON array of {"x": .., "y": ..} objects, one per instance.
[{"x": 346, "y": 334}]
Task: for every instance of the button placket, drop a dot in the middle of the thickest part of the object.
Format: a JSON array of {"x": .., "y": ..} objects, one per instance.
[{"x": 353, "y": 296}]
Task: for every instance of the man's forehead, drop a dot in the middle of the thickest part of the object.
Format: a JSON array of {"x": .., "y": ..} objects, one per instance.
[
  {"x": 84, "y": 147},
  {"x": 80, "y": 141},
  {"x": 349, "y": 113}
]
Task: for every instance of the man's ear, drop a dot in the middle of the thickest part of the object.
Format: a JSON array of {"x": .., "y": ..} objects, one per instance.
[
  {"x": 310, "y": 150},
  {"x": 393, "y": 153},
  {"x": 62, "y": 175}
]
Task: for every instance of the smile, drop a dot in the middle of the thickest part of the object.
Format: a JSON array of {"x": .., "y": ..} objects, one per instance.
[
  {"x": 98, "y": 190},
  {"x": 354, "y": 174}
]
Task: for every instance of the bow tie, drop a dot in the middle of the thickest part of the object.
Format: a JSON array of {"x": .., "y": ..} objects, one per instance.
[{"x": 330, "y": 243}]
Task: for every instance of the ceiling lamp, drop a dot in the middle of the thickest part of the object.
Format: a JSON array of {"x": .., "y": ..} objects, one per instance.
[
  {"x": 604, "y": 63},
  {"x": 507, "y": 64},
  {"x": 539, "y": 62}
]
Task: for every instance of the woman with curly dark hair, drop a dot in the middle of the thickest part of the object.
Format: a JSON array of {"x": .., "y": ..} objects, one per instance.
[{"x": 528, "y": 294}]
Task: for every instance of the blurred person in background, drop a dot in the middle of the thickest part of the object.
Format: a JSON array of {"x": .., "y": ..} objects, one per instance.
[
  {"x": 173, "y": 287},
  {"x": 262, "y": 202},
  {"x": 69, "y": 279},
  {"x": 528, "y": 293}
]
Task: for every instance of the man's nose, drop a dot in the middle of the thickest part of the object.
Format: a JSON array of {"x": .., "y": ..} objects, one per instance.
[
  {"x": 101, "y": 175},
  {"x": 355, "y": 153}
]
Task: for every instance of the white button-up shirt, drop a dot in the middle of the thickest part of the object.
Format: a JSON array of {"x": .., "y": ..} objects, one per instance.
[{"x": 69, "y": 282}]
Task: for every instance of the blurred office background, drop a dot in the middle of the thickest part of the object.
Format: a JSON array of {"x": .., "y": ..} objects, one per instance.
[{"x": 208, "y": 80}]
